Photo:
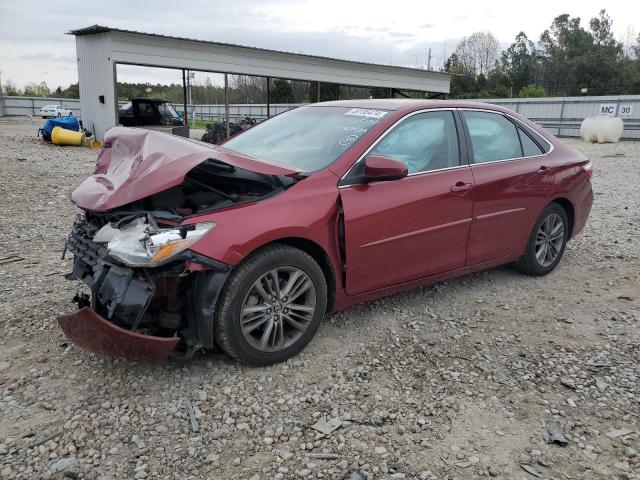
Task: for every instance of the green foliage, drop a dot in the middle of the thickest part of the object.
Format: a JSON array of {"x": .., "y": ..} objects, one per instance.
[
  {"x": 37, "y": 90},
  {"x": 9, "y": 88},
  {"x": 281, "y": 91},
  {"x": 532, "y": 91},
  {"x": 567, "y": 58}
]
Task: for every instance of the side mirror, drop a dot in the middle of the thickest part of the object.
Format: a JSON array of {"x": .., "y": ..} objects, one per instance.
[{"x": 382, "y": 167}]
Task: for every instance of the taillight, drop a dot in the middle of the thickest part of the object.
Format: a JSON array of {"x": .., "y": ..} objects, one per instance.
[{"x": 588, "y": 169}]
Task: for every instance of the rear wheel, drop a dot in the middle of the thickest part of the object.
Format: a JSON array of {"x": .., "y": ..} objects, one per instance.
[
  {"x": 271, "y": 306},
  {"x": 546, "y": 243}
]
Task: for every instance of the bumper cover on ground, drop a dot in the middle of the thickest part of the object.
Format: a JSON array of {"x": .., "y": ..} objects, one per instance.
[{"x": 91, "y": 332}]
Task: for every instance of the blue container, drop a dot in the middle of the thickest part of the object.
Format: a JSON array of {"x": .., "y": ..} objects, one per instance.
[{"x": 68, "y": 123}]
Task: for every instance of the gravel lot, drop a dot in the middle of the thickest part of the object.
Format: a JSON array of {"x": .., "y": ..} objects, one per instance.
[{"x": 457, "y": 381}]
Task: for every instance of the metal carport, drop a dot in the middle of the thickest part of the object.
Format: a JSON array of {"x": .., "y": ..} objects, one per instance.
[{"x": 99, "y": 49}]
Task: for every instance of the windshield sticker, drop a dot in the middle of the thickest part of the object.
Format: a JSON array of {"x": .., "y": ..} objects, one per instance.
[
  {"x": 348, "y": 140},
  {"x": 367, "y": 112}
]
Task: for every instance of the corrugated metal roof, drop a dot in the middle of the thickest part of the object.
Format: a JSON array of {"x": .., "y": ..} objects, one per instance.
[{"x": 95, "y": 29}]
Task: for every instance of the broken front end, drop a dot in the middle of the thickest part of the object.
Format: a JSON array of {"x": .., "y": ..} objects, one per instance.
[
  {"x": 149, "y": 293},
  {"x": 144, "y": 206}
]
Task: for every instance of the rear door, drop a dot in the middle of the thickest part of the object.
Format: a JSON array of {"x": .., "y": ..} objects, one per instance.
[
  {"x": 402, "y": 230},
  {"x": 513, "y": 179}
]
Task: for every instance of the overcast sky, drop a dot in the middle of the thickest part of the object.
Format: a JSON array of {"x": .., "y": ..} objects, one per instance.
[{"x": 34, "y": 47}]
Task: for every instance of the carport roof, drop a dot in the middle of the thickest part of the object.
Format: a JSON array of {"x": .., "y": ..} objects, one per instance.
[{"x": 94, "y": 29}]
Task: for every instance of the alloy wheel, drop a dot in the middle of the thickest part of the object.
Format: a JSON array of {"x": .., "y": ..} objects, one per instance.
[
  {"x": 549, "y": 240},
  {"x": 278, "y": 309}
]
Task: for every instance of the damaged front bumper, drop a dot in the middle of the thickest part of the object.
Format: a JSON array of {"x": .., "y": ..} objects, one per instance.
[
  {"x": 141, "y": 313},
  {"x": 91, "y": 332}
]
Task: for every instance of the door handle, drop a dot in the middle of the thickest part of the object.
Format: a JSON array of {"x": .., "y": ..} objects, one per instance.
[
  {"x": 461, "y": 187},
  {"x": 543, "y": 170}
]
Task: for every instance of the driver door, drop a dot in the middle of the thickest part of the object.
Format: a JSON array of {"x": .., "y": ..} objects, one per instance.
[{"x": 418, "y": 226}]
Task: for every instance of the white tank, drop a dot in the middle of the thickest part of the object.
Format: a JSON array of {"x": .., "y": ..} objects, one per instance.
[{"x": 601, "y": 129}]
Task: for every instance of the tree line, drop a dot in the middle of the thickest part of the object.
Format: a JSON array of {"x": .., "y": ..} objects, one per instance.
[{"x": 568, "y": 59}]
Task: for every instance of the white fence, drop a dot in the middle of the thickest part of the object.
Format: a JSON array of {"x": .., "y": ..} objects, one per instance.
[
  {"x": 560, "y": 115},
  {"x": 31, "y": 105},
  {"x": 22, "y": 106}
]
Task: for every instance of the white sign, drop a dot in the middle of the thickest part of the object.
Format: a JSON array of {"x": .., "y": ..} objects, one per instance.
[
  {"x": 624, "y": 110},
  {"x": 608, "y": 109}
]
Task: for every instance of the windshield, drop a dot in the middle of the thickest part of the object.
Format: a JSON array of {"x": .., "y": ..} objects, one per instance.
[{"x": 307, "y": 138}]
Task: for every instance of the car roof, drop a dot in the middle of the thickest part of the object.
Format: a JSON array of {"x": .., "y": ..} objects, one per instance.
[
  {"x": 150, "y": 100},
  {"x": 405, "y": 104}
]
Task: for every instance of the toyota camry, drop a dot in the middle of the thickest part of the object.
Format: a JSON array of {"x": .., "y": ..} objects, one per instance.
[{"x": 187, "y": 247}]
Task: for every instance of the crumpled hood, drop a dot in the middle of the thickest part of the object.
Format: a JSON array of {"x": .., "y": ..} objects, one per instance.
[{"x": 135, "y": 163}]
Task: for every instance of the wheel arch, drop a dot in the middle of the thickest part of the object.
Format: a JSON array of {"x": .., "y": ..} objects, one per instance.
[
  {"x": 319, "y": 255},
  {"x": 569, "y": 209}
]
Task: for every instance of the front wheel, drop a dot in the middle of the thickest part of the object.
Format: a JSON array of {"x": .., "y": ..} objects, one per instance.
[
  {"x": 546, "y": 243},
  {"x": 271, "y": 305}
]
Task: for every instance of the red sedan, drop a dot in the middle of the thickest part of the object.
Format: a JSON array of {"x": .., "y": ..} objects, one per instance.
[{"x": 245, "y": 246}]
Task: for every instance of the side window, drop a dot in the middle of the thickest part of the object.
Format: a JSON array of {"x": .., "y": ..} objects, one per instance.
[
  {"x": 493, "y": 137},
  {"x": 424, "y": 142},
  {"x": 529, "y": 147}
]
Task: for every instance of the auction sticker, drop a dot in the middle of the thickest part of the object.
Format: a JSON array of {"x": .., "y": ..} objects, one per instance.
[{"x": 367, "y": 112}]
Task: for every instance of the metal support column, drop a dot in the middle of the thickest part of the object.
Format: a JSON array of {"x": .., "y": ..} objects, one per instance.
[
  {"x": 184, "y": 97},
  {"x": 226, "y": 102},
  {"x": 268, "y": 97},
  {"x": 318, "y": 91}
]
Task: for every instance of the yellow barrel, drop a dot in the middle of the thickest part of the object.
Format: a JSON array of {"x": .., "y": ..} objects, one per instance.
[{"x": 62, "y": 136}]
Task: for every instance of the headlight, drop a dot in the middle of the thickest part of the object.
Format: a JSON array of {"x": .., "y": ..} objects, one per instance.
[{"x": 139, "y": 247}]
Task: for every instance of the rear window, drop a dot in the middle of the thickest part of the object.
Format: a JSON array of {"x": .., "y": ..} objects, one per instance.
[
  {"x": 493, "y": 136},
  {"x": 529, "y": 147}
]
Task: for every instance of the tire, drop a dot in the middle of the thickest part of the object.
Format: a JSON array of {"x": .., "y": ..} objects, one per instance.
[
  {"x": 531, "y": 262},
  {"x": 59, "y": 115},
  {"x": 241, "y": 293}
]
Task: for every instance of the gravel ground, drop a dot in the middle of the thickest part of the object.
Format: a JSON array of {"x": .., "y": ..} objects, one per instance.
[{"x": 461, "y": 380}]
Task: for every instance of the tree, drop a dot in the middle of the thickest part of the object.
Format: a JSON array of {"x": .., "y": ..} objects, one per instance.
[
  {"x": 532, "y": 91},
  {"x": 37, "y": 90},
  {"x": 519, "y": 62},
  {"x": 328, "y": 92},
  {"x": 478, "y": 52},
  {"x": 72, "y": 91},
  {"x": 463, "y": 79},
  {"x": 10, "y": 89},
  {"x": 281, "y": 91}
]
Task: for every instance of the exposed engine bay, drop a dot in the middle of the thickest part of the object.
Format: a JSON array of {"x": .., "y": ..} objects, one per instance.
[{"x": 209, "y": 186}]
